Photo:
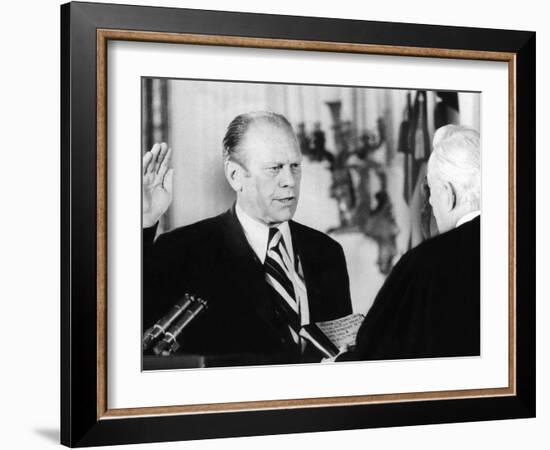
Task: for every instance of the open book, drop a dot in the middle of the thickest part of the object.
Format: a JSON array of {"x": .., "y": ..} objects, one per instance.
[{"x": 333, "y": 336}]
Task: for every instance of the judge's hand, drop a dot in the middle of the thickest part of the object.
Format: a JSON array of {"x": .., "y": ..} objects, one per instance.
[{"x": 157, "y": 183}]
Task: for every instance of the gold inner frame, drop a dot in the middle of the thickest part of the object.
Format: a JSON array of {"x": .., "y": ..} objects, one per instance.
[{"x": 103, "y": 36}]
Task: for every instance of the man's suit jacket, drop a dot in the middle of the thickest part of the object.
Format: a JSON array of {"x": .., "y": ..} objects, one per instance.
[
  {"x": 429, "y": 305},
  {"x": 212, "y": 259}
]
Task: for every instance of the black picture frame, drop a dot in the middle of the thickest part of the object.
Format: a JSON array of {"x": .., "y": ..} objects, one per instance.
[{"x": 83, "y": 418}]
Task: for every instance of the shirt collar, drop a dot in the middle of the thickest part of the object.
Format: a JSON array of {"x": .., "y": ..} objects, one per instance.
[
  {"x": 467, "y": 217},
  {"x": 257, "y": 233}
]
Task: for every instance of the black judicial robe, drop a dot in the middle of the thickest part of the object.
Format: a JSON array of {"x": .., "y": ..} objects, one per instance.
[
  {"x": 429, "y": 306},
  {"x": 213, "y": 260}
]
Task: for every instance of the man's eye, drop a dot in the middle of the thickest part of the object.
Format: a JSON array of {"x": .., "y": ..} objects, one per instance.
[
  {"x": 295, "y": 167},
  {"x": 274, "y": 169}
]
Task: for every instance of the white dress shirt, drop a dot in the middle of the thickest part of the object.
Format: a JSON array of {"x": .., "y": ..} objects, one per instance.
[{"x": 467, "y": 217}]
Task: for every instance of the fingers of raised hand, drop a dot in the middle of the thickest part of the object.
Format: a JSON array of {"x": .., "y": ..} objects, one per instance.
[
  {"x": 151, "y": 156},
  {"x": 149, "y": 159},
  {"x": 161, "y": 156},
  {"x": 163, "y": 168},
  {"x": 156, "y": 162}
]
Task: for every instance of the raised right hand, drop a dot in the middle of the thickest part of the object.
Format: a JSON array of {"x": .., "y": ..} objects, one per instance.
[{"x": 157, "y": 183}]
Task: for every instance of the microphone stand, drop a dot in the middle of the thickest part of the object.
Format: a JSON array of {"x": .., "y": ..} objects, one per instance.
[
  {"x": 160, "y": 327},
  {"x": 169, "y": 343}
]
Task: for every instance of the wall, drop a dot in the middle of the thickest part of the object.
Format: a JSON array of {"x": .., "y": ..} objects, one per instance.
[{"x": 30, "y": 220}]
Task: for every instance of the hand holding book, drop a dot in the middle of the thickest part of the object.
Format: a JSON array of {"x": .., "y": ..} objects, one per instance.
[{"x": 334, "y": 337}]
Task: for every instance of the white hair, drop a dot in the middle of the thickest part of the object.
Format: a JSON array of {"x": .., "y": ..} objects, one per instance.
[{"x": 456, "y": 158}]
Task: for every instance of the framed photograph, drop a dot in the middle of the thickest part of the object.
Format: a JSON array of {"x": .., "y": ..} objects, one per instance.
[{"x": 279, "y": 224}]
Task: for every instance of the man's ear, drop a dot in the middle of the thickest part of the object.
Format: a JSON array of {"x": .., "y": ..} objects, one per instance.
[
  {"x": 234, "y": 174},
  {"x": 450, "y": 196}
]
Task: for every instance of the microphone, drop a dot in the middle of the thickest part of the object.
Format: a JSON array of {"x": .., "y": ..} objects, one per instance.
[
  {"x": 169, "y": 343},
  {"x": 163, "y": 323}
]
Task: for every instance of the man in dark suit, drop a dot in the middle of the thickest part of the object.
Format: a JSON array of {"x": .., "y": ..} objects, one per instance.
[
  {"x": 263, "y": 275},
  {"x": 429, "y": 305}
]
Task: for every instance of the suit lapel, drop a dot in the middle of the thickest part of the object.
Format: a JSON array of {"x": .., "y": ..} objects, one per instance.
[{"x": 305, "y": 253}]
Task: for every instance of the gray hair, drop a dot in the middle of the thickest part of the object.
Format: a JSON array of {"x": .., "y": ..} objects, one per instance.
[
  {"x": 456, "y": 158},
  {"x": 238, "y": 127}
]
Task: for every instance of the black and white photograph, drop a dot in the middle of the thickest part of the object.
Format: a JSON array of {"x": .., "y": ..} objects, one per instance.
[
  {"x": 295, "y": 223},
  {"x": 280, "y": 221}
]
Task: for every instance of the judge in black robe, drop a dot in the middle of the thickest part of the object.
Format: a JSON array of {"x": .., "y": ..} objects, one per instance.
[{"x": 429, "y": 306}]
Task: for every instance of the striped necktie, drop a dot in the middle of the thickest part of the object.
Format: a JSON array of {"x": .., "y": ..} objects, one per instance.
[
  {"x": 279, "y": 275},
  {"x": 285, "y": 279}
]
